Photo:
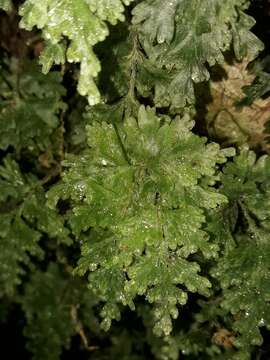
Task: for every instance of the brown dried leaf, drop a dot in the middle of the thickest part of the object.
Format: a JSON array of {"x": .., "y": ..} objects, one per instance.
[
  {"x": 223, "y": 337},
  {"x": 232, "y": 124}
]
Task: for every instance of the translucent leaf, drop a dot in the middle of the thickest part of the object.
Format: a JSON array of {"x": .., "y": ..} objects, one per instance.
[
  {"x": 261, "y": 83},
  {"x": 82, "y": 23},
  {"x": 6, "y": 5},
  {"x": 158, "y": 275},
  {"x": 244, "y": 275},
  {"x": 179, "y": 49},
  {"x": 30, "y": 108},
  {"x": 17, "y": 241},
  {"x": 135, "y": 232},
  {"x": 158, "y": 19},
  {"x": 23, "y": 222},
  {"x": 109, "y": 10},
  {"x": 243, "y": 271},
  {"x": 246, "y": 181}
]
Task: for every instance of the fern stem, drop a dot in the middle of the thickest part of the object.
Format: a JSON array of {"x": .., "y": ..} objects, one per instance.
[{"x": 121, "y": 144}]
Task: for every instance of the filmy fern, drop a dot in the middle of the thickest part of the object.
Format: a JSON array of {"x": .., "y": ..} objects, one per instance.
[
  {"x": 125, "y": 230},
  {"x": 244, "y": 271},
  {"x": 178, "y": 48},
  {"x": 145, "y": 232},
  {"x": 23, "y": 222},
  {"x": 29, "y": 107},
  {"x": 82, "y": 23}
]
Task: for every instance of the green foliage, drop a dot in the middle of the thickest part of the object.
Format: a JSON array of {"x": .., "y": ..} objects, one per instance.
[
  {"x": 233, "y": 318},
  {"x": 49, "y": 302},
  {"x": 244, "y": 271},
  {"x": 178, "y": 49},
  {"x": 261, "y": 83},
  {"x": 24, "y": 220},
  {"x": 29, "y": 106},
  {"x": 82, "y": 23},
  {"x": 47, "y": 306},
  {"x": 17, "y": 238},
  {"x": 125, "y": 231},
  {"x": 122, "y": 186},
  {"x": 5, "y": 5},
  {"x": 244, "y": 277}
]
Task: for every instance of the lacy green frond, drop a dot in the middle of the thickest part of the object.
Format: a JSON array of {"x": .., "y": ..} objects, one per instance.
[
  {"x": 260, "y": 85},
  {"x": 157, "y": 18},
  {"x": 158, "y": 275},
  {"x": 83, "y": 24},
  {"x": 17, "y": 241},
  {"x": 49, "y": 301},
  {"x": 17, "y": 238},
  {"x": 29, "y": 106},
  {"x": 244, "y": 275},
  {"x": 24, "y": 219},
  {"x": 145, "y": 185},
  {"x": 124, "y": 232},
  {"x": 178, "y": 48},
  {"x": 6, "y": 5},
  {"x": 246, "y": 183},
  {"x": 243, "y": 272}
]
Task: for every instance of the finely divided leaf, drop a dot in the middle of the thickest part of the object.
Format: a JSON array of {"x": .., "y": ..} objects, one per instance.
[
  {"x": 24, "y": 220},
  {"x": 30, "y": 107},
  {"x": 181, "y": 36},
  {"x": 139, "y": 184},
  {"x": 82, "y": 23}
]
